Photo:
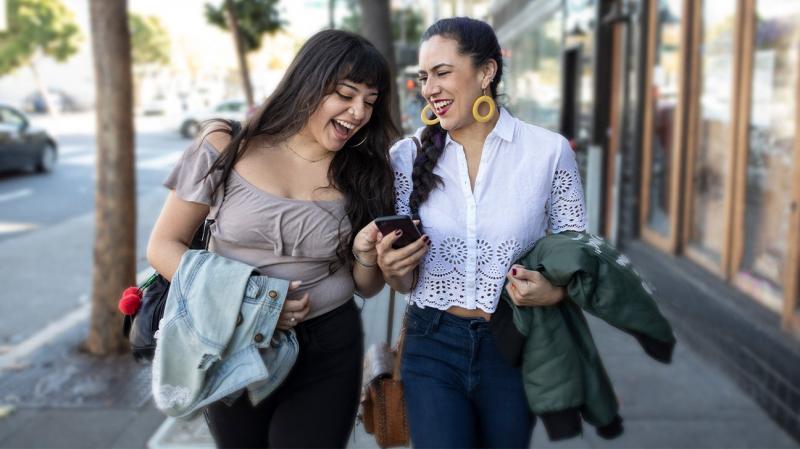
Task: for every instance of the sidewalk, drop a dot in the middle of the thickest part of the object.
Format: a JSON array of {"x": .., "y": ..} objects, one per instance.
[{"x": 60, "y": 398}]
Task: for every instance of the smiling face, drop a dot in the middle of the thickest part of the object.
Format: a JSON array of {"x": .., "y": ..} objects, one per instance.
[
  {"x": 341, "y": 114},
  {"x": 450, "y": 81}
]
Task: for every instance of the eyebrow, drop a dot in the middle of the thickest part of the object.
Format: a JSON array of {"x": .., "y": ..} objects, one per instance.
[
  {"x": 342, "y": 83},
  {"x": 422, "y": 72}
]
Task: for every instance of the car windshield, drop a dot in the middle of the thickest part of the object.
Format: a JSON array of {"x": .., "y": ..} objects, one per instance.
[{"x": 10, "y": 117}]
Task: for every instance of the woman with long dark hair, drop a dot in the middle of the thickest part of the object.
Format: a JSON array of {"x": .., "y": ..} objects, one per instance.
[
  {"x": 486, "y": 187},
  {"x": 296, "y": 190}
]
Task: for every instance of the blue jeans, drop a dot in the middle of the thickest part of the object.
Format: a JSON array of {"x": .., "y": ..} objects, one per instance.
[{"x": 459, "y": 391}]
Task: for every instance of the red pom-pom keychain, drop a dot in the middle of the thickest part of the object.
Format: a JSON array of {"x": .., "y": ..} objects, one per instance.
[
  {"x": 129, "y": 303},
  {"x": 131, "y": 298}
]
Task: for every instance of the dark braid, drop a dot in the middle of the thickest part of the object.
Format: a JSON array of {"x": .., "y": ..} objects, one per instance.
[
  {"x": 476, "y": 39},
  {"x": 423, "y": 180}
]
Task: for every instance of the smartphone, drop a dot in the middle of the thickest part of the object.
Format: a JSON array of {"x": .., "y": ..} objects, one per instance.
[{"x": 391, "y": 223}]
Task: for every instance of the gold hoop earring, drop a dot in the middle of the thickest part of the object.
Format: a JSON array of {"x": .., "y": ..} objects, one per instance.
[
  {"x": 477, "y": 104},
  {"x": 424, "y": 116},
  {"x": 360, "y": 143}
]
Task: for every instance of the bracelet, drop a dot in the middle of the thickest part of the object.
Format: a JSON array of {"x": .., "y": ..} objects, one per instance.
[{"x": 361, "y": 262}]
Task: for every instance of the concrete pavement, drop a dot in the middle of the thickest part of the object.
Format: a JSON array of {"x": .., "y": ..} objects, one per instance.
[
  {"x": 98, "y": 404},
  {"x": 687, "y": 404}
]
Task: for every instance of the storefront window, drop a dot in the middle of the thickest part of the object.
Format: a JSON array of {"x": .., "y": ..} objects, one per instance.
[
  {"x": 534, "y": 73},
  {"x": 665, "y": 99},
  {"x": 771, "y": 131},
  {"x": 714, "y": 148}
]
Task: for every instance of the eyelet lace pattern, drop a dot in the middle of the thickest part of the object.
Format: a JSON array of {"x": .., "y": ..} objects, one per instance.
[
  {"x": 528, "y": 185},
  {"x": 566, "y": 211}
]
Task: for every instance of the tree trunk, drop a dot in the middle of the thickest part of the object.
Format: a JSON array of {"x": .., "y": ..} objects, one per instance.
[
  {"x": 233, "y": 24},
  {"x": 377, "y": 27},
  {"x": 42, "y": 88},
  {"x": 115, "y": 199}
]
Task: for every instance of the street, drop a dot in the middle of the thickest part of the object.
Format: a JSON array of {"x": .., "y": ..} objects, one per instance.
[{"x": 46, "y": 223}]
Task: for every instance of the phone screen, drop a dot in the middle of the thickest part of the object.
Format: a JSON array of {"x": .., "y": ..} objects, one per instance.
[{"x": 391, "y": 223}]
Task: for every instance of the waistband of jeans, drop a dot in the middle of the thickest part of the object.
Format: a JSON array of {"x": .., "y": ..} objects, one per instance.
[
  {"x": 312, "y": 323},
  {"x": 438, "y": 317}
]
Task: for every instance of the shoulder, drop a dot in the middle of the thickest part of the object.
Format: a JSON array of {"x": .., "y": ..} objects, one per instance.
[
  {"x": 216, "y": 136},
  {"x": 403, "y": 153},
  {"x": 545, "y": 139}
]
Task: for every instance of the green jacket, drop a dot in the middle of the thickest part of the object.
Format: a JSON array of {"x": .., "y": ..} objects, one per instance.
[{"x": 561, "y": 367}]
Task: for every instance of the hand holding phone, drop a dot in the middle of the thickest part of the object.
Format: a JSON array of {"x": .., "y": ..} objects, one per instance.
[{"x": 392, "y": 223}]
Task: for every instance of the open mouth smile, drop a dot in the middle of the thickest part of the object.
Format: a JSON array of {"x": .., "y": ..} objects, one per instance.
[
  {"x": 440, "y": 107},
  {"x": 343, "y": 129}
]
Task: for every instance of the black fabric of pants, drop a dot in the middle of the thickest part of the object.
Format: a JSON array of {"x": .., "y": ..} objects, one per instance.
[{"x": 317, "y": 403}]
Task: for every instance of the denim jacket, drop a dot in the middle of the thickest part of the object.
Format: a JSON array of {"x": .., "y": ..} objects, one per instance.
[{"x": 218, "y": 336}]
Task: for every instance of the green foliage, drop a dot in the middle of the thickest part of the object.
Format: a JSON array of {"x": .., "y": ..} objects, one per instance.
[
  {"x": 149, "y": 40},
  {"x": 408, "y": 16},
  {"x": 352, "y": 22},
  {"x": 256, "y": 17},
  {"x": 413, "y": 25},
  {"x": 44, "y": 26}
]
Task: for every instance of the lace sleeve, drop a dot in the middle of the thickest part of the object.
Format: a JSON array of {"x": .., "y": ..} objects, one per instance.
[
  {"x": 402, "y": 157},
  {"x": 566, "y": 209}
]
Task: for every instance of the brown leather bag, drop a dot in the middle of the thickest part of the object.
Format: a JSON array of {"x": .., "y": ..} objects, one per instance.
[{"x": 383, "y": 409}]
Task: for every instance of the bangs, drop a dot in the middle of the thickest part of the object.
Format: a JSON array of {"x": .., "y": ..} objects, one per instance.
[{"x": 365, "y": 65}]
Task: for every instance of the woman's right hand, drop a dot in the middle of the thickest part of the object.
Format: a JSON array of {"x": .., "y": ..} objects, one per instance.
[
  {"x": 294, "y": 310},
  {"x": 396, "y": 264}
]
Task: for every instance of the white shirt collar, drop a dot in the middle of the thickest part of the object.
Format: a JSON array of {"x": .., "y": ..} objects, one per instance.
[{"x": 504, "y": 128}]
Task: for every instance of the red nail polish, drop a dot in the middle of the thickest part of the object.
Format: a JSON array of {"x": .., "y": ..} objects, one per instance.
[
  {"x": 513, "y": 272},
  {"x": 398, "y": 232}
]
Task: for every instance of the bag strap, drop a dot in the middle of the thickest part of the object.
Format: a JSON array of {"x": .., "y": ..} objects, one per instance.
[
  {"x": 398, "y": 353},
  {"x": 202, "y": 237},
  {"x": 417, "y": 143}
]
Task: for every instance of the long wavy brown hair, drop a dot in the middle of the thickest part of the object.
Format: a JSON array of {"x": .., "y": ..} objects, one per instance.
[{"x": 360, "y": 171}]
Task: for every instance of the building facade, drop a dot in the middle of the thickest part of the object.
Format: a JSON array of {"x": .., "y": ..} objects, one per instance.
[{"x": 685, "y": 116}]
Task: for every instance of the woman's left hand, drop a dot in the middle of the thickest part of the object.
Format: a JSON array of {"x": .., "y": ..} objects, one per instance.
[
  {"x": 294, "y": 309},
  {"x": 529, "y": 288},
  {"x": 364, "y": 243}
]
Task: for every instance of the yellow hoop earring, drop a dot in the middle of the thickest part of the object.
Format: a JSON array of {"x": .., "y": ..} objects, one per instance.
[
  {"x": 477, "y": 104},
  {"x": 424, "y": 116}
]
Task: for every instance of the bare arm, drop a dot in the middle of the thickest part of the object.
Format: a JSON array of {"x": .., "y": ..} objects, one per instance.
[
  {"x": 366, "y": 272},
  {"x": 173, "y": 232}
]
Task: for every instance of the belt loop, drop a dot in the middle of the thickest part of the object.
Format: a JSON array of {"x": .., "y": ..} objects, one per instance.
[{"x": 437, "y": 317}]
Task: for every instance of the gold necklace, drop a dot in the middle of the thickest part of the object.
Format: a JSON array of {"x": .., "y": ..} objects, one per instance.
[{"x": 303, "y": 157}]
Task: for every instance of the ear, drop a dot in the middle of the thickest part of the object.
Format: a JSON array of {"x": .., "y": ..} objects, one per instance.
[{"x": 488, "y": 71}]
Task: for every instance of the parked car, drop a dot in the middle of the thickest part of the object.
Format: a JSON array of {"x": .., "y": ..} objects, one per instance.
[
  {"x": 230, "y": 110},
  {"x": 22, "y": 145},
  {"x": 61, "y": 101}
]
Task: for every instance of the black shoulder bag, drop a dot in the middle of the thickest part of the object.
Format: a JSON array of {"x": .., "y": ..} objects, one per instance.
[{"x": 140, "y": 328}]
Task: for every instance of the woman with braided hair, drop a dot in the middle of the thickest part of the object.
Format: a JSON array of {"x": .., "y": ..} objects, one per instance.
[{"x": 486, "y": 186}]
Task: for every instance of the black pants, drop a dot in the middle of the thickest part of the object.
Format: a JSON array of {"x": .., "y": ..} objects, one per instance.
[{"x": 316, "y": 405}]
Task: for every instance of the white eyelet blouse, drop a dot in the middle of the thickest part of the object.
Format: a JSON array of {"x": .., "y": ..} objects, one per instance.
[{"x": 527, "y": 185}]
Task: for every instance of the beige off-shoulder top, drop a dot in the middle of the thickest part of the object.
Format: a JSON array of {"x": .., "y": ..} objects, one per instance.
[{"x": 282, "y": 237}]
